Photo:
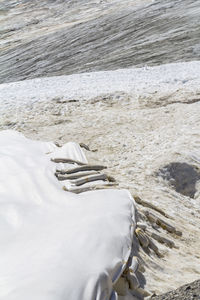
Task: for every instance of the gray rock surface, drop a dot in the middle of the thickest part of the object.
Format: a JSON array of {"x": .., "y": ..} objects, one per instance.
[
  {"x": 45, "y": 38},
  {"x": 186, "y": 292}
]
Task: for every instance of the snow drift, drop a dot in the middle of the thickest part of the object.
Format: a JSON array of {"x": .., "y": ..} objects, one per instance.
[{"x": 56, "y": 245}]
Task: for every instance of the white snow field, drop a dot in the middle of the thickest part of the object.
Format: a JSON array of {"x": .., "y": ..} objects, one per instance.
[
  {"x": 141, "y": 121},
  {"x": 56, "y": 245},
  {"x": 138, "y": 82}
]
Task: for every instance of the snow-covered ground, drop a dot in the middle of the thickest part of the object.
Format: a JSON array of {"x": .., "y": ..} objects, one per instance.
[
  {"x": 168, "y": 79},
  {"x": 141, "y": 121},
  {"x": 54, "y": 244}
]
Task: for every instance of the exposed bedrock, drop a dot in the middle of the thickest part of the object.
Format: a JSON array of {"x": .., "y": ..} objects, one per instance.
[
  {"x": 56, "y": 37},
  {"x": 183, "y": 177},
  {"x": 185, "y": 292}
]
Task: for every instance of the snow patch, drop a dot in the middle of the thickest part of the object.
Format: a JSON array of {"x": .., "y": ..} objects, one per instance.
[
  {"x": 54, "y": 244},
  {"x": 135, "y": 81}
]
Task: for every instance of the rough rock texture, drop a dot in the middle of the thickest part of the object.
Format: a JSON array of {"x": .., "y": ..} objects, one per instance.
[
  {"x": 182, "y": 177},
  {"x": 189, "y": 291},
  {"x": 45, "y": 38}
]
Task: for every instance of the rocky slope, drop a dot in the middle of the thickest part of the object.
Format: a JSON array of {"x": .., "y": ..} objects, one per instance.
[
  {"x": 45, "y": 38},
  {"x": 189, "y": 291}
]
